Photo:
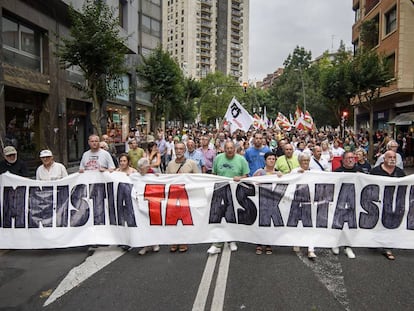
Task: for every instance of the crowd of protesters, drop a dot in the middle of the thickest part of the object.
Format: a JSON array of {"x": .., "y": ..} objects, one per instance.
[{"x": 251, "y": 153}]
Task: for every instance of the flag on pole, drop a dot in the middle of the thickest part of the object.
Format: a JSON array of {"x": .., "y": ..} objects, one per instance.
[
  {"x": 258, "y": 122},
  {"x": 265, "y": 119},
  {"x": 283, "y": 122},
  {"x": 304, "y": 122},
  {"x": 298, "y": 114},
  {"x": 237, "y": 116}
]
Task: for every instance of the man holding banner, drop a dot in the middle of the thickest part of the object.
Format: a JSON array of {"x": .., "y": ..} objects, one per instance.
[
  {"x": 181, "y": 165},
  {"x": 229, "y": 164},
  {"x": 388, "y": 168}
]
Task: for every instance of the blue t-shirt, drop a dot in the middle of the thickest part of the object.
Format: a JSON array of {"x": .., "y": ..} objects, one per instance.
[{"x": 255, "y": 158}]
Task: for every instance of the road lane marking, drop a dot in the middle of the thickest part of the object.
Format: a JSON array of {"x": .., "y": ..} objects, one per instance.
[
  {"x": 328, "y": 270},
  {"x": 101, "y": 257},
  {"x": 221, "y": 282},
  {"x": 204, "y": 287}
]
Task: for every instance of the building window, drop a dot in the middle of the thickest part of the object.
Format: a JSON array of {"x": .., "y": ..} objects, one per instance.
[
  {"x": 151, "y": 26},
  {"x": 390, "y": 20},
  {"x": 391, "y": 64},
  {"x": 357, "y": 11},
  {"x": 22, "y": 44},
  {"x": 123, "y": 13}
]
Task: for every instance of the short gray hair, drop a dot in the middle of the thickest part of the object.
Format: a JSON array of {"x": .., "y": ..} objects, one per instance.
[
  {"x": 142, "y": 163},
  {"x": 303, "y": 156}
]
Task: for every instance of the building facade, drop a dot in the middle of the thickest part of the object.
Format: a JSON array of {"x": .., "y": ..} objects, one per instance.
[
  {"x": 394, "y": 38},
  {"x": 208, "y": 35},
  {"x": 39, "y": 107}
]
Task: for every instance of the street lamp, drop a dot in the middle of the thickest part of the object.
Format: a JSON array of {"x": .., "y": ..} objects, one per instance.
[{"x": 303, "y": 87}]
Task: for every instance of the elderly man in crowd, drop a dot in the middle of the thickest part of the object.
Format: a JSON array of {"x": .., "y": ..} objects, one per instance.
[
  {"x": 391, "y": 145},
  {"x": 181, "y": 165},
  {"x": 317, "y": 163},
  {"x": 12, "y": 164},
  {"x": 287, "y": 162},
  {"x": 196, "y": 155},
  {"x": 50, "y": 170},
  {"x": 388, "y": 168}
]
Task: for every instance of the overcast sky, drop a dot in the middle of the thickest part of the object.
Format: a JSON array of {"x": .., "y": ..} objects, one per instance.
[{"x": 278, "y": 26}]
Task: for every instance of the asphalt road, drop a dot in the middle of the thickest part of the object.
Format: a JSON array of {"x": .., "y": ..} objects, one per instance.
[{"x": 240, "y": 281}]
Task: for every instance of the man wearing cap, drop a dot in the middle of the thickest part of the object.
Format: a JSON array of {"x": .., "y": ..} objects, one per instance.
[
  {"x": 12, "y": 164},
  {"x": 50, "y": 170}
]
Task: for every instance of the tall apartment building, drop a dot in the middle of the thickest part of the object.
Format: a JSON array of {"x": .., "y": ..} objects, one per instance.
[
  {"x": 39, "y": 108},
  {"x": 395, "y": 39},
  {"x": 208, "y": 35}
]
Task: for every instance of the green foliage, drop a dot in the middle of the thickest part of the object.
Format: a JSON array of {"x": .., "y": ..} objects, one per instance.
[
  {"x": 162, "y": 77},
  {"x": 369, "y": 32},
  {"x": 97, "y": 49},
  {"x": 299, "y": 83},
  {"x": 217, "y": 92},
  {"x": 370, "y": 72},
  {"x": 335, "y": 82}
]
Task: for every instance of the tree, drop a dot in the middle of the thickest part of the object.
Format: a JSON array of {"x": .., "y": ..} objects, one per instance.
[
  {"x": 370, "y": 72},
  {"x": 162, "y": 77},
  {"x": 192, "y": 90},
  {"x": 299, "y": 83},
  {"x": 335, "y": 83},
  {"x": 217, "y": 92},
  {"x": 97, "y": 49}
]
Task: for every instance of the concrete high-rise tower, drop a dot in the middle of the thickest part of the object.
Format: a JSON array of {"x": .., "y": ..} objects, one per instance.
[{"x": 208, "y": 35}]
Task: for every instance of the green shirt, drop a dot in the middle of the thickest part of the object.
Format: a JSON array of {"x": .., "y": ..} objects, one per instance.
[
  {"x": 135, "y": 155},
  {"x": 285, "y": 165},
  {"x": 236, "y": 166}
]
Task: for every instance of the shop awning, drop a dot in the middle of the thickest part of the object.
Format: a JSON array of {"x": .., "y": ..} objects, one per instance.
[{"x": 403, "y": 119}]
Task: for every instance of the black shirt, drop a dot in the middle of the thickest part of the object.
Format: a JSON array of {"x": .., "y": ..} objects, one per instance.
[
  {"x": 17, "y": 168},
  {"x": 378, "y": 170},
  {"x": 349, "y": 170}
]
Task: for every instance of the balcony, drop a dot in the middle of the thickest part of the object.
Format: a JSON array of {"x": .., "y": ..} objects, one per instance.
[{"x": 370, "y": 4}]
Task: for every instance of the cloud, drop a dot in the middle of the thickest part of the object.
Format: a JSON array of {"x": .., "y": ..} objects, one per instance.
[{"x": 277, "y": 27}]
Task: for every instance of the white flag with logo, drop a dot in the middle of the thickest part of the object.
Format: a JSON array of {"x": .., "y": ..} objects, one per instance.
[{"x": 238, "y": 117}]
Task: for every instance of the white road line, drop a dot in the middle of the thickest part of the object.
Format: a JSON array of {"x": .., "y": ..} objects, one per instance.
[
  {"x": 204, "y": 287},
  {"x": 221, "y": 282},
  {"x": 99, "y": 259},
  {"x": 328, "y": 270}
]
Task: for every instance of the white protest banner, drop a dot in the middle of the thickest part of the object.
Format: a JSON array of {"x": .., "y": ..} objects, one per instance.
[
  {"x": 238, "y": 117},
  {"x": 314, "y": 208}
]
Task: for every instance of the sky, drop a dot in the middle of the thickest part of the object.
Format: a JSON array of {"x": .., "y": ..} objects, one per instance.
[{"x": 278, "y": 26}]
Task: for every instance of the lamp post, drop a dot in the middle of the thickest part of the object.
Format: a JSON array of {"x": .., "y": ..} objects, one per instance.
[{"x": 303, "y": 87}]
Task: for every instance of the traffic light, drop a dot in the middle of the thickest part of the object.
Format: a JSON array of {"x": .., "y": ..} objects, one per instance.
[
  {"x": 345, "y": 117},
  {"x": 245, "y": 85}
]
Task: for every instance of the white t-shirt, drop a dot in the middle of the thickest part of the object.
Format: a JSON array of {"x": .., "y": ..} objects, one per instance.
[
  {"x": 56, "y": 171},
  {"x": 314, "y": 166},
  {"x": 95, "y": 160}
]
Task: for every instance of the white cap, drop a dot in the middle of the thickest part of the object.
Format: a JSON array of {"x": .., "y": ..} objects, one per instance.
[{"x": 45, "y": 153}]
